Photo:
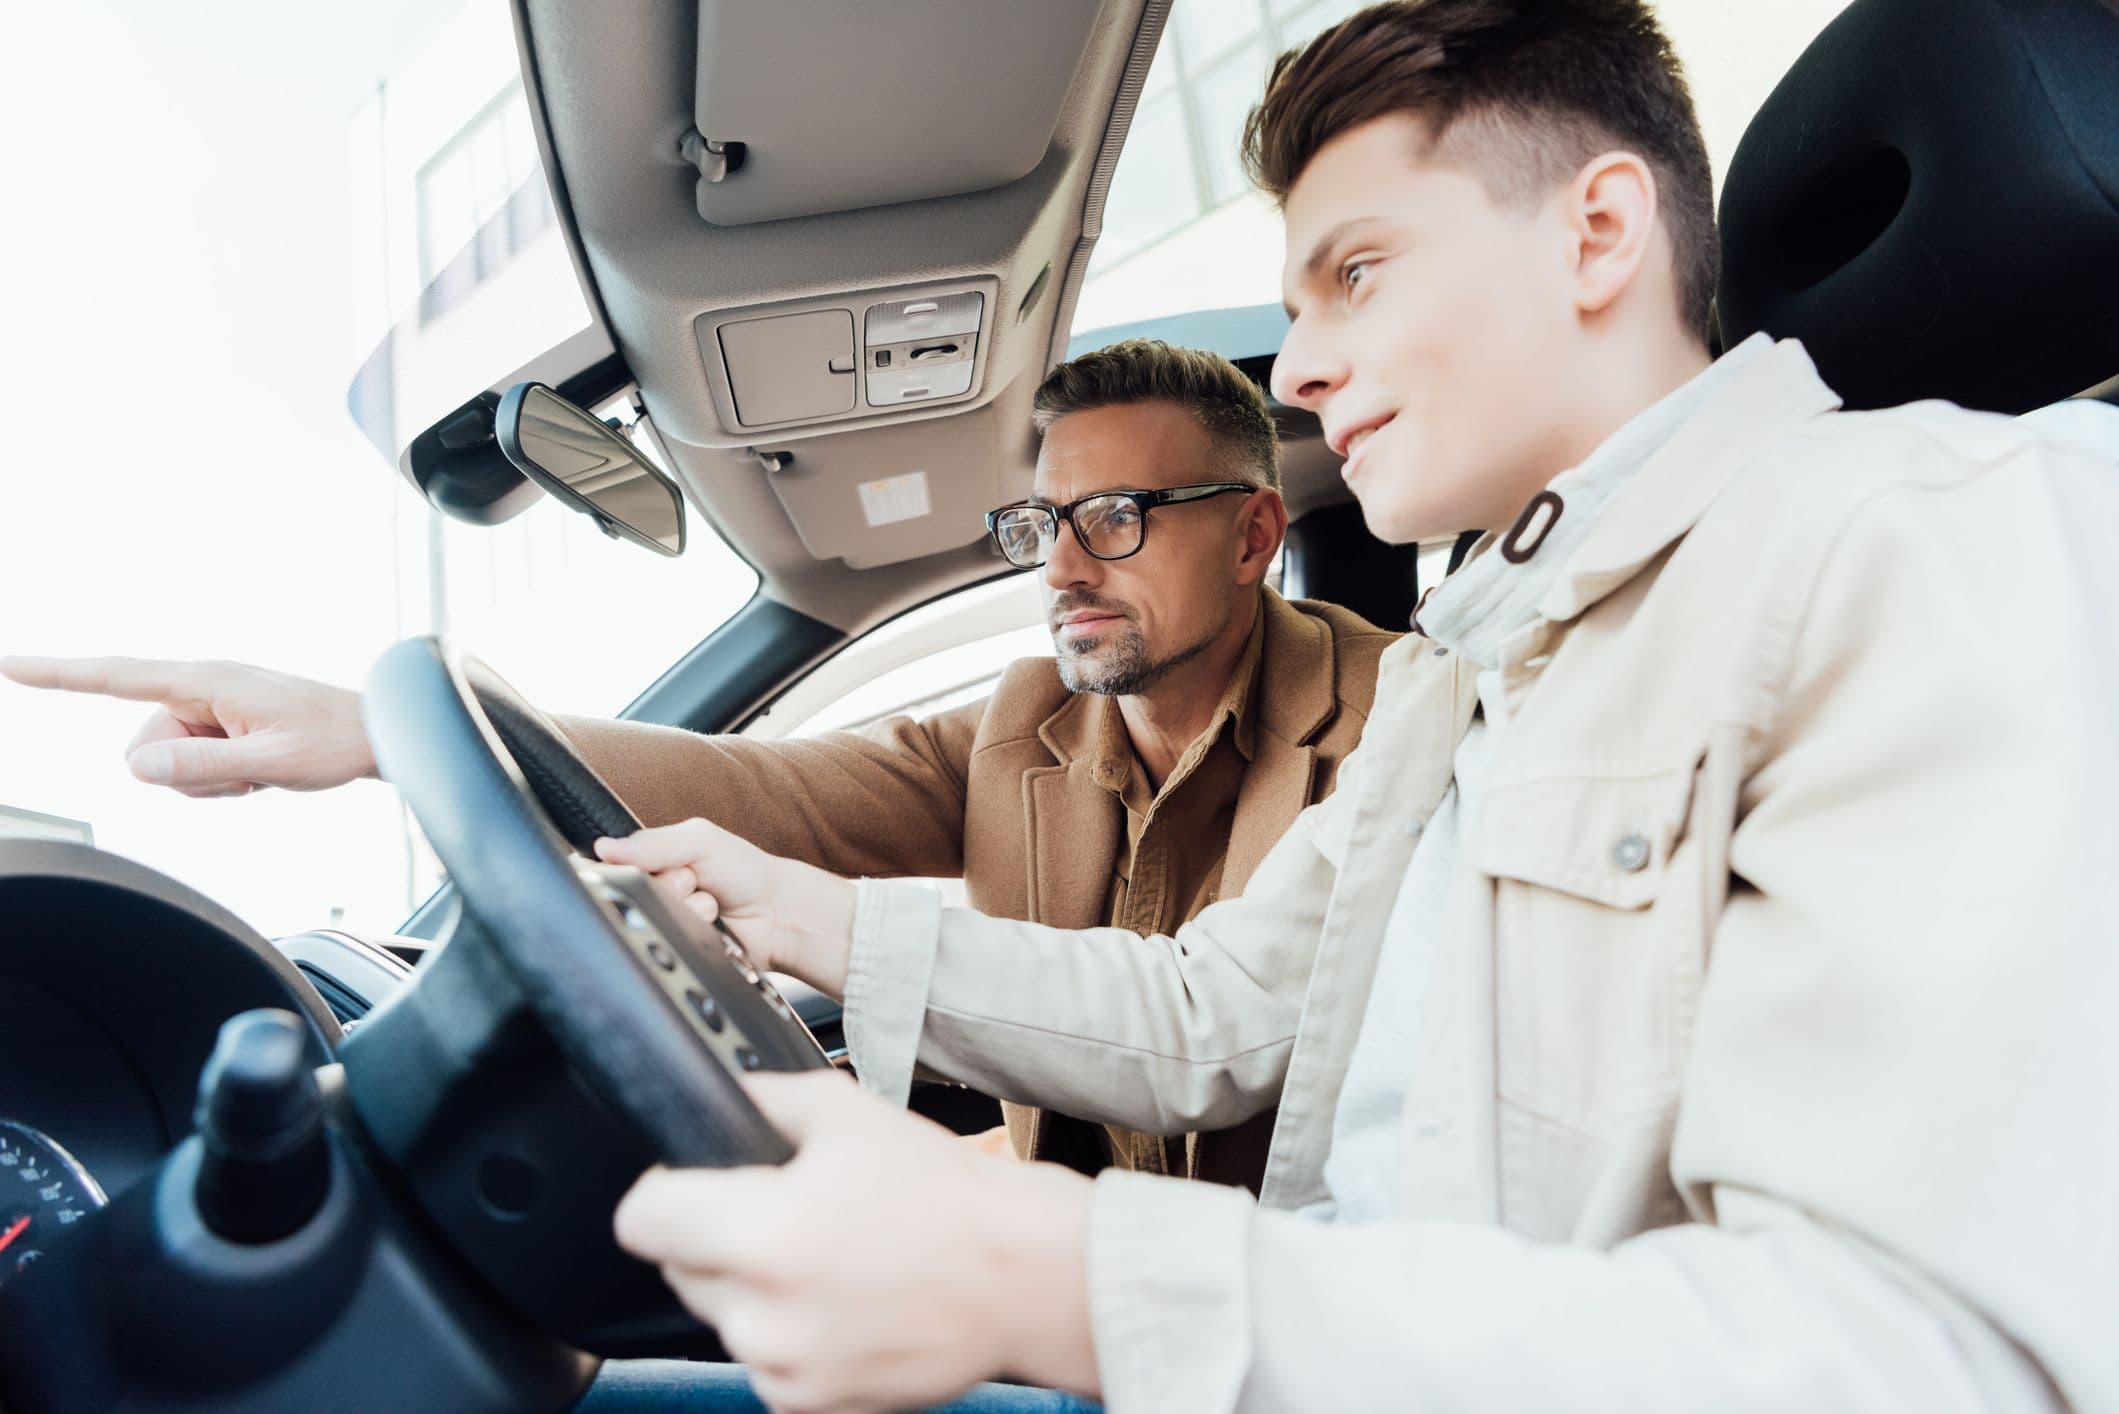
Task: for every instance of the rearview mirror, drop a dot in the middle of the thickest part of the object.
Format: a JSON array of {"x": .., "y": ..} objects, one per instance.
[{"x": 584, "y": 464}]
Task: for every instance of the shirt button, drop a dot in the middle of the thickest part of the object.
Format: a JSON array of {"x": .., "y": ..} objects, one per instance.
[
  {"x": 1441, "y": 652},
  {"x": 1416, "y": 826},
  {"x": 1630, "y": 853}
]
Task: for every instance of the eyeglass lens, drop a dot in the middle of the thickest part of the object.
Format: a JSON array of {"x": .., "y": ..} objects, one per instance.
[{"x": 1109, "y": 527}]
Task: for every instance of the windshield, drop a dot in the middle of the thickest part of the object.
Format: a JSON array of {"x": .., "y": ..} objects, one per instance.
[
  {"x": 1184, "y": 232},
  {"x": 238, "y": 205},
  {"x": 235, "y": 202}
]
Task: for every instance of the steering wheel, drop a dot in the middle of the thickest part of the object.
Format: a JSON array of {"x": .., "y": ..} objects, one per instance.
[{"x": 657, "y": 1012}]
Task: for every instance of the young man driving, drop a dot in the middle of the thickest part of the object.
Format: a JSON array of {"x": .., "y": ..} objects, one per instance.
[
  {"x": 1188, "y": 716},
  {"x": 1696, "y": 995}
]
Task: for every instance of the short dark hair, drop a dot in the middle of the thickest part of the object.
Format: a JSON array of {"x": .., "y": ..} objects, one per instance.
[
  {"x": 1215, "y": 391},
  {"x": 1541, "y": 86}
]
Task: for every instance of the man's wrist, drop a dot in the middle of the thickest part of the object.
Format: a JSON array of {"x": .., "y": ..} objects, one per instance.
[
  {"x": 1035, "y": 1245},
  {"x": 815, "y": 916}
]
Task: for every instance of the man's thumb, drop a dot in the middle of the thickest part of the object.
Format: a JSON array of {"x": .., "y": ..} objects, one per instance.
[{"x": 197, "y": 763}]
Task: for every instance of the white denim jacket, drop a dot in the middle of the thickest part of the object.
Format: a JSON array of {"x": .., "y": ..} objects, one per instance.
[{"x": 1785, "y": 1076}]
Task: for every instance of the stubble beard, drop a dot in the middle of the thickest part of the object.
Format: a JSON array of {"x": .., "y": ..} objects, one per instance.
[{"x": 1117, "y": 664}]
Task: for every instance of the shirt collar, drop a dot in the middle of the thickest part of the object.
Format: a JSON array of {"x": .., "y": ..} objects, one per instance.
[{"x": 1497, "y": 591}]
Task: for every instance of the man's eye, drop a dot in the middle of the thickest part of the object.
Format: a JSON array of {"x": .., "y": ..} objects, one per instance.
[{"x": 1352, "y": 274}]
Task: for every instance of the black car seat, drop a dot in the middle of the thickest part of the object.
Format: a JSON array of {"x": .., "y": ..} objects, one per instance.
[
  {"x": 1929, "y": 200},
  {"x": 1331, "y": 556}
]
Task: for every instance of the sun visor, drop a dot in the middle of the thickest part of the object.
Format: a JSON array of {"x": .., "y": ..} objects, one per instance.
[
  {"x": 894, "y": 493},
  {"x": 810, "y": 106}
]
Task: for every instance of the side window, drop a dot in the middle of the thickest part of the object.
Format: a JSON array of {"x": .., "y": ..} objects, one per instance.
[{"x": 937, "y": 657}]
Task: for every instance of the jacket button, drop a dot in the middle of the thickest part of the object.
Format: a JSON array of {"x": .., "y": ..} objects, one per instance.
[
  {"x": 1441, "y": 652},
  {"x": 1415, "y": 826},
  {"x": 1630, "y": 853}
]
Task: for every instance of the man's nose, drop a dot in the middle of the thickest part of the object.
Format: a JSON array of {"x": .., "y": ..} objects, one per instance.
[
  {"x": 1069, "y": 564},
  {"x": 1305, "y": 374}
]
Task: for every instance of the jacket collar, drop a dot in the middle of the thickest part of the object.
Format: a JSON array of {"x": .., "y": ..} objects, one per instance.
[
  {"x": 1674, "y": 487},
  {"x": 1293, "y": 692}
]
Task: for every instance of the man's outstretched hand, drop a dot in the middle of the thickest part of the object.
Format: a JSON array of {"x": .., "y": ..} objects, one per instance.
[
  {"x": 886, "y": 1266},
  {"x": 221, "y": 728}
]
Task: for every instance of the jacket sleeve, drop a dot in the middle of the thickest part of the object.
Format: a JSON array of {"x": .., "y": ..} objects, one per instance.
[
  {"x": 1896, "y": 1124},
  {"x": 1165, "y": 1034},
  {"x": 885, "y": 802}
]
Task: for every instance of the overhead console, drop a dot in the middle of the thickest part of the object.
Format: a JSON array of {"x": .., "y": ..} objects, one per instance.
[
  {"x": 777, "y": 367},
  {"x": 809, "y": 106}
]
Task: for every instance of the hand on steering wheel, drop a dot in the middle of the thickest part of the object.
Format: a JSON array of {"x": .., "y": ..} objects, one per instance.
[
  {"x": 658, "y": 1014},
  {"x": 792, "y": 916}
]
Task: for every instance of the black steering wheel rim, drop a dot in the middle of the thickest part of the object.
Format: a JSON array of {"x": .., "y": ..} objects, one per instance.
[
  {"x": 581, "y": 806},
  {"x": 657, "y": 1014}
]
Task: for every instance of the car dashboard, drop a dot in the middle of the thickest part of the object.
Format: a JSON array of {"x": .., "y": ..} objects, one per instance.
[{"x": 114, "y": 983}]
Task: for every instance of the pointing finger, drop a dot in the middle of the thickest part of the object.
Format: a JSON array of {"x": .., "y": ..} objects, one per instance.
[{"x": 135, "y": 679}]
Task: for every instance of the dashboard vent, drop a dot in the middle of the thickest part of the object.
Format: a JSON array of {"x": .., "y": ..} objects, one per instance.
[{"x": 344, "y": 1004}]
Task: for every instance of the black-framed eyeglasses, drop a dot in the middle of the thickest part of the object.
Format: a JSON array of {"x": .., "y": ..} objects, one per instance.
[{"x": 1110, "y": 525}]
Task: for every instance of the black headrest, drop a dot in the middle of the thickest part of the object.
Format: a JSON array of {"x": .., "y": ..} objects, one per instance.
[{"x": 1930, "y": 202}]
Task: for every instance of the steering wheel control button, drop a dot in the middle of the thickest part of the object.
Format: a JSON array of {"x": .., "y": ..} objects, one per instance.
[
  {"x": 737, "y": 956},
  {"x": 658, "y": 952},
  {"x": 703, "y": 1007},
  {"x": 748, "y": 1059},
  {"x": 510, "y": 1187}
]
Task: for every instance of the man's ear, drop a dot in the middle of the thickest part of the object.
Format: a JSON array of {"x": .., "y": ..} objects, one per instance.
[
  {"x": 1260, "y": 527},
  {"x": 1611, "y": 217}
]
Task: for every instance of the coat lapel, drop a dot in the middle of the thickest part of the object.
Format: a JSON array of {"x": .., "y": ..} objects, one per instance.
[
  {"x": 1275, "y": 790},
  {"x": 1297, "y": 696},
  {"x": 1073, "y": 825}
]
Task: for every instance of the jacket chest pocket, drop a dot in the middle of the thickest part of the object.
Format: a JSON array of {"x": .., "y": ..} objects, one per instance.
[{"x": 1598, "y": 940}]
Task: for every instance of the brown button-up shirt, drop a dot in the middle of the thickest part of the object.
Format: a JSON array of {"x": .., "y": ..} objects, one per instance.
[{"x": 1177, "y": 839}]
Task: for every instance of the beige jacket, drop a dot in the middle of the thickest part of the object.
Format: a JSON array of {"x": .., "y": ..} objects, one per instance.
[{"x": 1813, "y": 1103}]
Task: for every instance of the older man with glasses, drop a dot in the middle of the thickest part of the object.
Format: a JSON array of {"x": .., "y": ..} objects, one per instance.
[{"x": 1188, "y": 716}]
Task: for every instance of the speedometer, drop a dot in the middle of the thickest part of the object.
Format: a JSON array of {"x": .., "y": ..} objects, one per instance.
[{"x": 43, "y": 1191}]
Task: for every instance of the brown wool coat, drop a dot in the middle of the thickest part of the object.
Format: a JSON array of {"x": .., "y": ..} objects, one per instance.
[{"x": 999, "y": 792}]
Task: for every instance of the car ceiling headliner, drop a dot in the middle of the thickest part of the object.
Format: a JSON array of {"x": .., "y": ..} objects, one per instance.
[{"x": 613, "y": 88}]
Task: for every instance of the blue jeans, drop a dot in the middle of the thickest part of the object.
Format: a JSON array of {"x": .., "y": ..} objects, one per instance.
[{"x": 703, "y": 1387}]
